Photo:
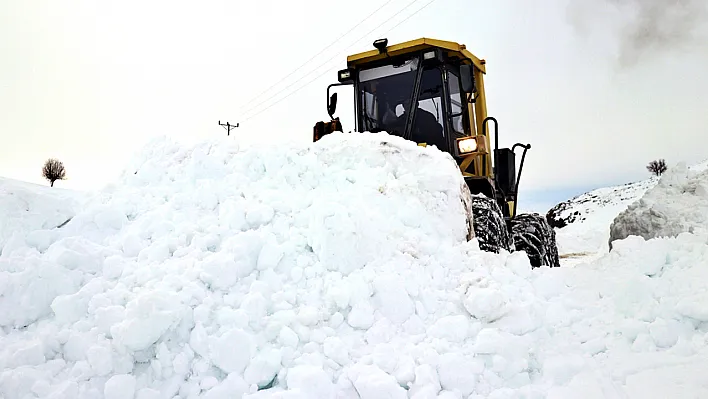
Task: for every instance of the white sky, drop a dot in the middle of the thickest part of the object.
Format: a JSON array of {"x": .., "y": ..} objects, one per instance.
[{"x": 89, "y": 82}]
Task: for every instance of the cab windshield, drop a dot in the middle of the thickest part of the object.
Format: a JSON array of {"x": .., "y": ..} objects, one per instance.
[
  {"x": 382, "y": 89},
  {"x": 385, "y": 99}
]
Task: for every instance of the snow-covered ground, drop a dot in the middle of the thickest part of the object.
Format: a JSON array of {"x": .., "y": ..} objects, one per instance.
[
  {"x": 588, "y": 217},
  {"x": 583, "y": 222},
  {"x": 26, "y": 207},
  {"x": 653, "y": 216},
  {"x": 337, "y": 269}
]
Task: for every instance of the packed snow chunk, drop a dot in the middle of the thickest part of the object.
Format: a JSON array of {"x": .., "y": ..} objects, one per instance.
[
  {"x": 147, "y": 317},
  {"x": 270, "y": 254},
  {"x": 486, "y": 303},
  {"x": 490, "y": 341},
  {"x": 232, "y": 351},
  {"x": 28, "y": 286},
  {"x": 147, "y": 393},
  {"x": 587, "y": 385},
  {"x": 259, "y": 215},
  {"x": 677, "y": 204},
  {"x": 452, "y": 328},
  {"x": 264, "y": 366},
  {"x": 79, "y": 253},
  {"x": 23, "y": 354},
  {"x": 335, "y": 349},
  {"x": 71, "y": 308},
  {"x": 64, "y": 390},
  {"x": 371, "y": 382},
  {"x": 361, "y": 315},
  {"x": 233, "y": 386},
  {"x": 221, "y": 271},
  {"x": 392, "y": 299},
  {"x": 426, "y": 383},
  {"x": 563, "y": 367},
  {"x": 694, "y": 306},
  {"x": 76, "y": 346},
  {"x": 101, "y": 359},
  {"x": 288, "y": 338},
  {"x": 26, "y": 208},
  {"x": 312, "y": 381},
  {"x": 107, "y": 317},
  {"x": 459, "y": 373},
  {"x": 665, "y": 333},
  {"x": 120, "y": 386},
  {"x": 677, "y": 380},
  {"x": 232, "y": 214}
]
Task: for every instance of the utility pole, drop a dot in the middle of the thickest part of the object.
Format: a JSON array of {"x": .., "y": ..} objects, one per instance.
[{"x": 228, "y": 127}]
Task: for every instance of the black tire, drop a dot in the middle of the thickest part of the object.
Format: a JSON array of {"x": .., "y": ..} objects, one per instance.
[
  {"x": 532, "y": 234},
  {"x": 467, "y": 204},
  {"x": 489, "y": 225}
]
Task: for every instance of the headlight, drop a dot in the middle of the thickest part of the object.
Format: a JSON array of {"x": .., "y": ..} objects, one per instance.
[
  {"x": 345, "y": 76},
  {"x": 467, "y": 145}
]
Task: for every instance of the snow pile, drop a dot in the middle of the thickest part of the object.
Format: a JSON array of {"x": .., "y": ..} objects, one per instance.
[
  {"x": 597, "y": 203},
  {"x": 632, "y": 324},
  {"x": 678, "y": 203},
  {"x": 25, "y": 207},
  {"x": 581, "y": 222},
  {"x": 339, "y": 268}
]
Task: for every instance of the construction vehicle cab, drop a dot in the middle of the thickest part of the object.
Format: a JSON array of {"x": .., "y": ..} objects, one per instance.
[{"x": 432, "y": 92}]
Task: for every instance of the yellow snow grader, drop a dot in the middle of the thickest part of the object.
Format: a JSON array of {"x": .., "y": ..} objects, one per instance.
[{"x": 432, "y": 92}]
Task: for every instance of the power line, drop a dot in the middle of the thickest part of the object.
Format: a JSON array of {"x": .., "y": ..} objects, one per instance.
[
  {"x": 331, "y": 68},
  {"x": 321, "y": 51},
  {"x": 252, "y": 107},
  {"x": 408, "y": 17}
]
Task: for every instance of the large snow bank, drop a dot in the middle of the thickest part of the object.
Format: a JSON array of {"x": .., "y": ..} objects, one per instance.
[
  {"x": 595, "y": 205},
  {"x": 334, "y": 267},
  {"x": 25, "y": 207},
  {"x": 582, "y": 222},
  {"x": 631, "y": 324},
  {"x": 678, "y": 203},
  {"x": 331, "y": 270}
]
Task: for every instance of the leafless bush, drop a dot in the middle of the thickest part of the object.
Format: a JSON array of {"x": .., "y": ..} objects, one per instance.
[
  {"x": 657, "y": 167},
  {"x": 53, "y": 170}
]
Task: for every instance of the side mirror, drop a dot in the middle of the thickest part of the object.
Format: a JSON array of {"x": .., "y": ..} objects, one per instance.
[
  {"x": 467, "y": 78},
  {"x": 332, "y": 105}
]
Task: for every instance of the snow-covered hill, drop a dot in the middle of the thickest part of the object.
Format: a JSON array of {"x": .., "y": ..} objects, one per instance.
[
  {"x": 653, "y": 216},
  {"x": 338, "y": 269},
  {"x": 26, "y": 207},
  {"x": 583, "y": 223},
  {"x": 598, "y": 204}
]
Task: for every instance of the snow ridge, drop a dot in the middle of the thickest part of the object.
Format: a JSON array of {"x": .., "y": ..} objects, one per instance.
[
  {"x": 338, "y": 269},
  {"x": 616, "y": 198},
  {"x": 582, "y": 223},
  {"x": 217, "y": 271},
  {"x": 25, "y": 207},
  {"x": 587, "y": 205},
  {"x": 655, "y": 216}
]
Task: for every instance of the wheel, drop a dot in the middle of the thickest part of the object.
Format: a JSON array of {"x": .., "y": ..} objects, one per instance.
[
  {"x": 489, "y": 225},
  {"x": 467, "y": 204},
  {"x": 532, "y": 234}
]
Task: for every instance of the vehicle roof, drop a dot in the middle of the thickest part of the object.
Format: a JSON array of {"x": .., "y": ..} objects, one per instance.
[{"x": 456, "y": 49}]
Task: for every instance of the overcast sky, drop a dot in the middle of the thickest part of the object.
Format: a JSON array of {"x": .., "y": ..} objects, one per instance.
[{"x": 598, "y": 92}]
